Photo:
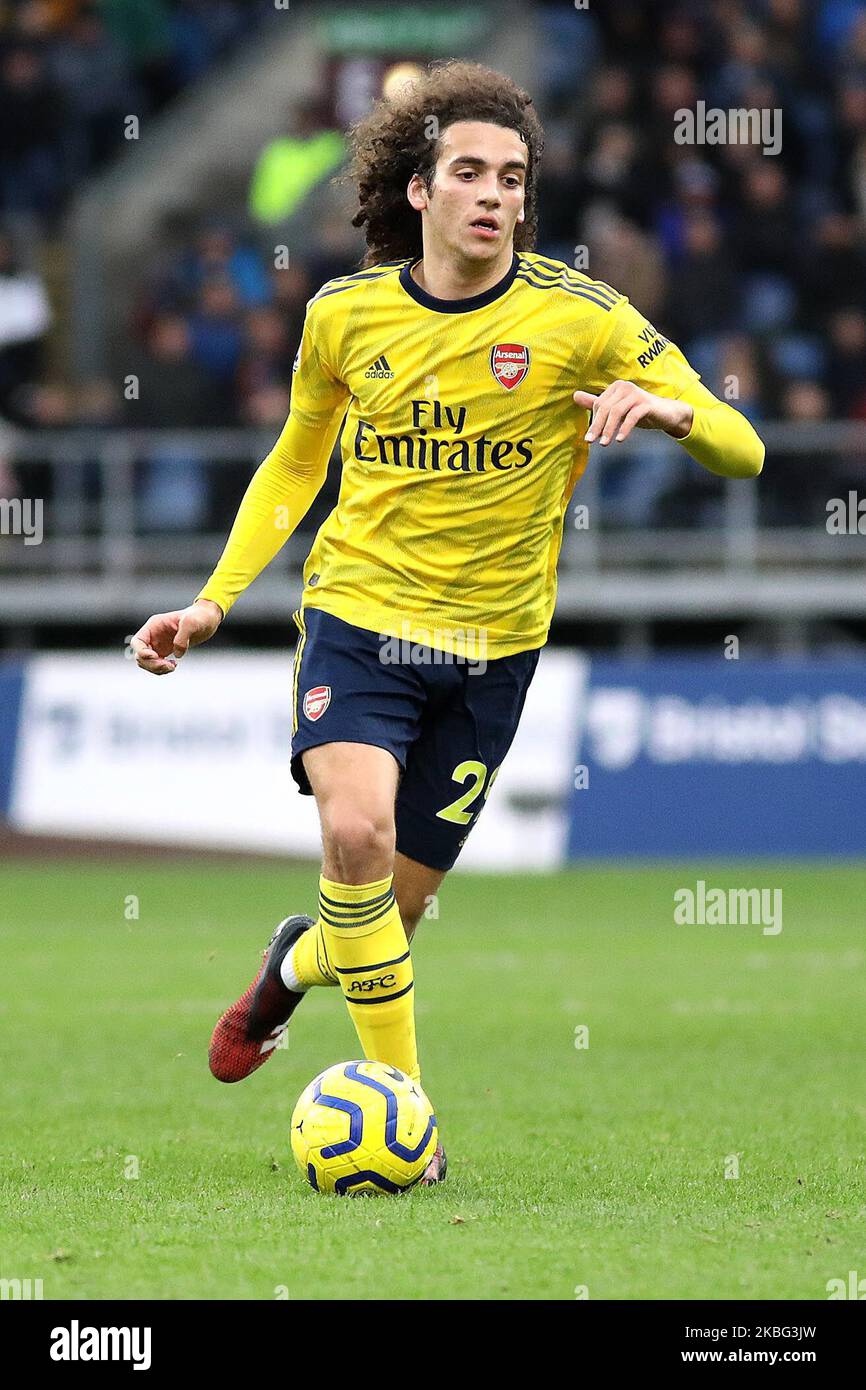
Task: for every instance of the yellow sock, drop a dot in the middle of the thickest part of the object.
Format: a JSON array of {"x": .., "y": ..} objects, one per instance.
[
  {"x": 367, "y": 949},
  {"x": 307, "y": 962}
]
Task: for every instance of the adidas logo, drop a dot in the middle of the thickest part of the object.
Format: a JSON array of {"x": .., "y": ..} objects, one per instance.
[{"x": 380, "y": 370}]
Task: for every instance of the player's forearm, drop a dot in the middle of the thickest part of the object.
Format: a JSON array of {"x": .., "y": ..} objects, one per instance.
[
  {"x": 279, "y": 496},
  {"x": 720, "y": 438}
]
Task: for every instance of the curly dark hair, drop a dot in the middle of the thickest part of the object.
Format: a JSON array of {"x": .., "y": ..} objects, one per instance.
[{"x": 392, "y": 143}]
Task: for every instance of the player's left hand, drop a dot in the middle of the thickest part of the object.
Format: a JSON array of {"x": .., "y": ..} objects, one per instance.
[{"x": 622, "y": 405}]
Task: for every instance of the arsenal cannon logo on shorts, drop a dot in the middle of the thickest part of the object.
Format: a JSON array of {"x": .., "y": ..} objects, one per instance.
[
  {"x": 316, "y": 701},
  {"x": 509, "y": 363}
]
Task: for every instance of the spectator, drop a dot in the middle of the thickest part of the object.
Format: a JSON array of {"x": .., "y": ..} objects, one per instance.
[
  {"x": 764, "y": 226},
  {"x": 851, "y": 176},
  {"x": 201, "y": 30},
  {"x": 173, "y": 391},
  {"x": 143, "y": 30},
  {"x": 267, "y": 407},
  {"x": 847, "y": 363},
  {"x": 25, "y": 317},
  {"x": 622, "y": 254},
  {"x": 267, "y": 354},
  {"x": 568, "y": 49},
  {"x": 739, "y": 378},
  {"x": 91, "y": 69},
  {"x": 32, "y": 175},
  {"x": 611, "y": 173},
  {"x": 335, "y": 251},
  {"x": 290, "y": 167},
  {"x": 218, "y": 253},
  {"x": 831, "y": 266},
  {"x": 215, "y": 331},
  {"x": 292, "y": 288},
  {"x": 558, "y": 195},
  {"x": 796, "y": 492},
  {"x": 704, "y": 294}
]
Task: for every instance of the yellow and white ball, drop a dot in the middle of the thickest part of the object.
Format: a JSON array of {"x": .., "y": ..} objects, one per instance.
[{"x": 363, "y": 1127}]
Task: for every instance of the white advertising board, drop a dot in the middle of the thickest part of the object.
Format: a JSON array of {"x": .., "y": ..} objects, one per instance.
[{"x": 201, "y": 758}]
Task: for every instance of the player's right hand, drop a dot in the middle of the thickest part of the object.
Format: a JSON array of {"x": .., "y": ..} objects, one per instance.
[{"x": 166, "y": 637}]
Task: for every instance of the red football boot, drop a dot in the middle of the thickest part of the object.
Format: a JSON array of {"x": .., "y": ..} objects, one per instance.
[{"x": 248, "y": 1032}]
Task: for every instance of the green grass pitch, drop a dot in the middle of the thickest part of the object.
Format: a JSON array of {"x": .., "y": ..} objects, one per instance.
[{"x": 600, "y": 1166}]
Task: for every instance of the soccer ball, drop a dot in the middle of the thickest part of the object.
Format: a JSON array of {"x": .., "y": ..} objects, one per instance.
[{"x": 363, "y": 1127}]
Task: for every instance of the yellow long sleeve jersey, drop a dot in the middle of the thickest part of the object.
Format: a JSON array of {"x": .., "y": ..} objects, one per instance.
[{"x": 461, "y": 446}]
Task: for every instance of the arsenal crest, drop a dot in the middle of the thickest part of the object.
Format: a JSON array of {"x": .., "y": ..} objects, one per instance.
[
  {"x": 316, "y": 701},
  {"x": 509, "y": 363}
]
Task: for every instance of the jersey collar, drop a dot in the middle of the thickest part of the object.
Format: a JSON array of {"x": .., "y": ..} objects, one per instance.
[{"x": 457, "y": 306}]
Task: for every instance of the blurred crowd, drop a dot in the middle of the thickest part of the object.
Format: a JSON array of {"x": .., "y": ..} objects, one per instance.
[
  {"x": 72, "y": 71},
  {"x": 754, "y": 263}
]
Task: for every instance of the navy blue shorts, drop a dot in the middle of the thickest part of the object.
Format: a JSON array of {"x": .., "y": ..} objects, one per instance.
[{"x": 448, "y": 723}]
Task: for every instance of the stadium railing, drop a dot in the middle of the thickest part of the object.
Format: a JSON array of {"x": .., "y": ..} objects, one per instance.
[{"x": 729, "y": 548}]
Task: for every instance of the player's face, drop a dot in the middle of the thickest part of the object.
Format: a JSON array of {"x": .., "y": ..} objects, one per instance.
[{"x": 478, "y": 190}]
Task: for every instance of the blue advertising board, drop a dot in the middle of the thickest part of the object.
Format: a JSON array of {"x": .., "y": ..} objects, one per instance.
[
  {"x": 713, "y": 756},
  {"x": 11, "y": 688}
]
